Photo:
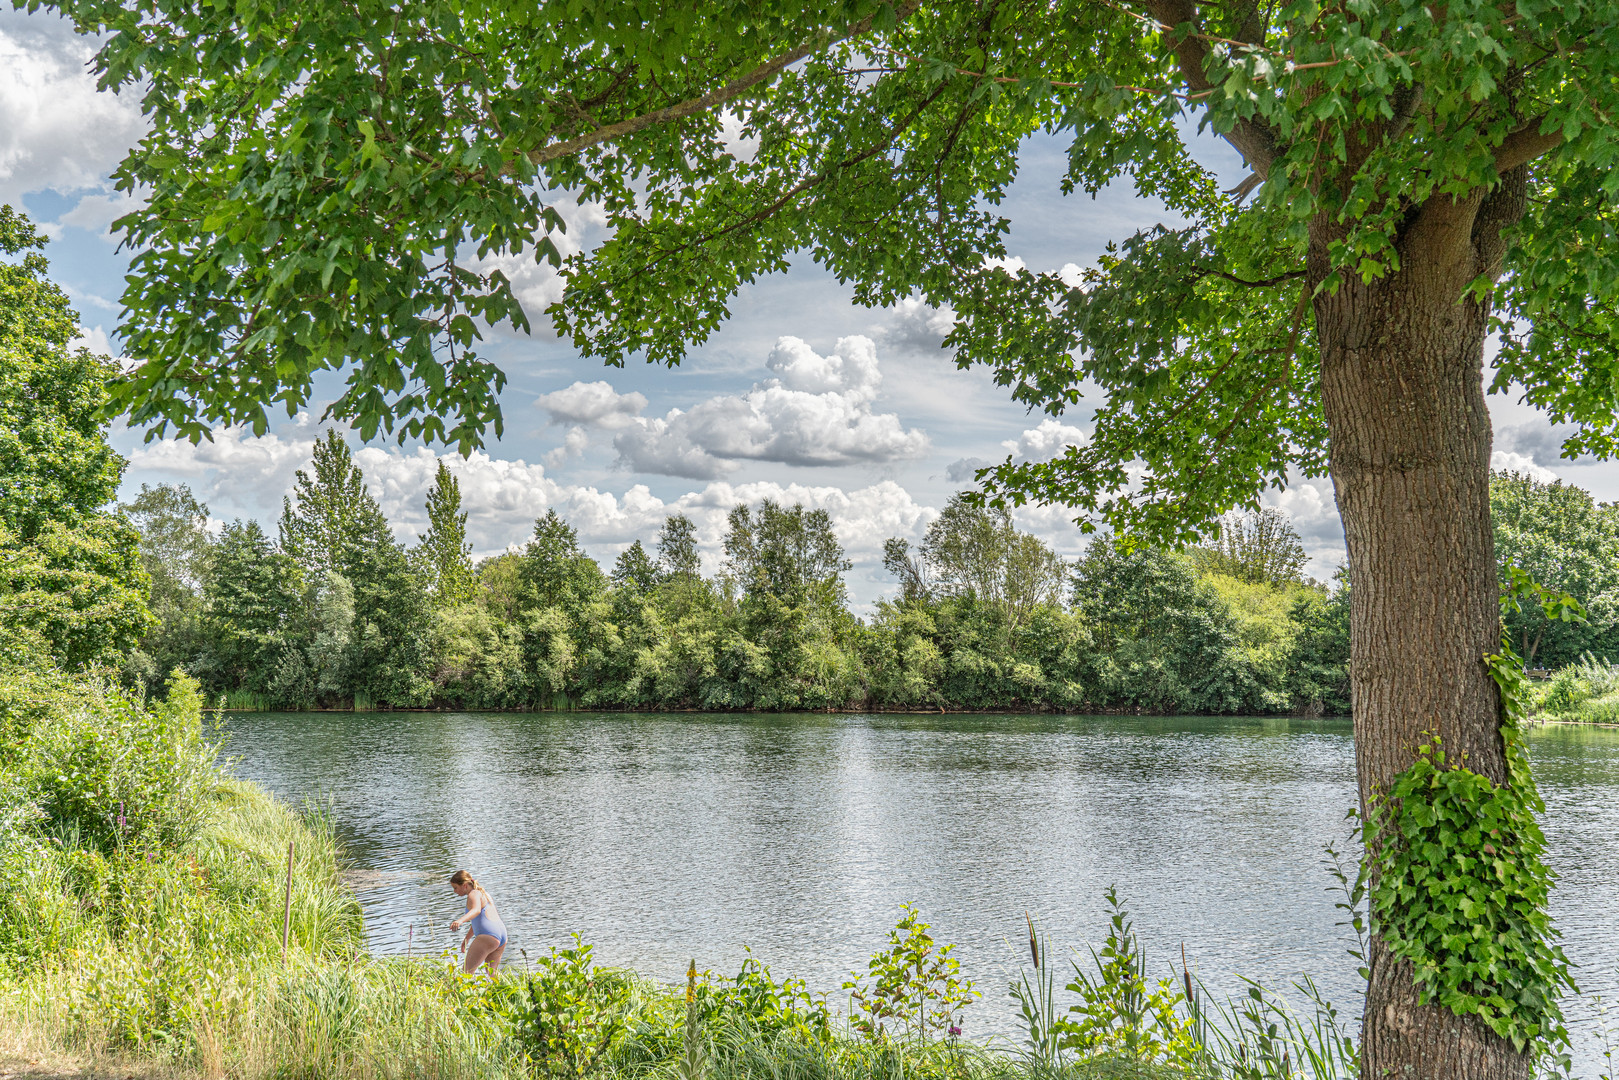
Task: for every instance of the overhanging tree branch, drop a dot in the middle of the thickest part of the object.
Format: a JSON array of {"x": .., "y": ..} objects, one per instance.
[
  {"x": 1254, "y": 139},
  {"x": 1524, "y": 144},
  {"x": 705, "y": 102}
]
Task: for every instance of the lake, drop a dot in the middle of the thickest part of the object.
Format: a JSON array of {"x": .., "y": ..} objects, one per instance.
[{"x": 662, "y": 838}]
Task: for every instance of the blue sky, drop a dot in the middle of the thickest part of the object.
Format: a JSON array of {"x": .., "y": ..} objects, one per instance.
[{"x": 802, "y": 396}]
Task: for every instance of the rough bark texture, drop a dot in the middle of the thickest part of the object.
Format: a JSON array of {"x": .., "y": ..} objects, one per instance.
[{"x": 1402, "y": 382}]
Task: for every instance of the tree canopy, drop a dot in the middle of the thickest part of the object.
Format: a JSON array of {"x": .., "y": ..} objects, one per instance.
[
  {"x": 370, "y": 168},
  {"x": 71, "y": 581}
]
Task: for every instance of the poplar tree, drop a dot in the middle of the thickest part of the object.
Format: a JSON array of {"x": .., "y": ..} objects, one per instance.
[{"x": 445, "y": 554}]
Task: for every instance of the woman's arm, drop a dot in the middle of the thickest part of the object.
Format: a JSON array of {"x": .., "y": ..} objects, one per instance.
[{"x": 474, "y": 905}]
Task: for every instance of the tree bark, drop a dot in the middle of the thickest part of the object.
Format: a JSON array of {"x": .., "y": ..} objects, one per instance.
[{"x": 1402, "y": 385}]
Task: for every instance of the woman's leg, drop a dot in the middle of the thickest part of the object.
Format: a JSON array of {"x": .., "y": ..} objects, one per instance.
[
  {"x": 479, "y": 951},
  {"x": 494, "y": 958}
]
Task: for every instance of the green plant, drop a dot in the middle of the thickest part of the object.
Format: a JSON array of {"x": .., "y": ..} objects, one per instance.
[
  {"x": 1261, "y": 1038},
  {"x": 1119, "y": 1012},
  {"x": 570, "y": 1014},
  {"x": 913, "y": 987},
  {"x": 115, "y": 772},
  {"x": 755, "y": 997},
  {"x": 693, "y": 1061},
  {"x": 1037, "y": 1007},
  {"x": 1459, "y": 886}
]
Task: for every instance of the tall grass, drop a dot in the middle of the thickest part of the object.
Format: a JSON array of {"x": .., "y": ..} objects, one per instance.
[
  {"x": 1586, "y": 691},
  {"x": 246, "y": 701}
]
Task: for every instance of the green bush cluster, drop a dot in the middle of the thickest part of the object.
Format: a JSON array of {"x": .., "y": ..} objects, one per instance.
[
  {"x": 336, "y": 614},
  {"x": 1586, "y": 691}
]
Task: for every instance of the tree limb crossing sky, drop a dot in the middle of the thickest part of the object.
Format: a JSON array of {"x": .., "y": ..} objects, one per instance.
[{"x": 802, "y": 397}]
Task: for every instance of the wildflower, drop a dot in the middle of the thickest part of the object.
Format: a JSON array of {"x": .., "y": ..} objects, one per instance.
[{"x": 954, "y": 1031}]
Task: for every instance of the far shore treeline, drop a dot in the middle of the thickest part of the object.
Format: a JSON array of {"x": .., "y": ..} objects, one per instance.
[{"x": 329, "y": 611}]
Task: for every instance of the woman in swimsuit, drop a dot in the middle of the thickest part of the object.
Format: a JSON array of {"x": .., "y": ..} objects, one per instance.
[{"x": 486, "y": 934}]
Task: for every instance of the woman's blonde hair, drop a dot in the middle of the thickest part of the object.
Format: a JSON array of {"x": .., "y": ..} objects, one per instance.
[{"x": 464, "y": 877}]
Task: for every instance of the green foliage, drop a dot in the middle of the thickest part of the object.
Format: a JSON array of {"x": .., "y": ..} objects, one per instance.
[
  {"x": 789, "y": 554},
  {"x": 1459, "y": 886},
  {"x": 444, "y": 557},
  {"x": 111, "y": 773},
  {"x": 974, "y": 552},
  {"x": 1460, "y": 891},
  {"x": 1163, "y": 638},
  {"x": 1119, "y": 1011},
  {"x": 1260, "y": 547},
  {"x": 570, "y": 1014},
  {"x": 1559, "y": 536},
  {"x": 913, "y": 989},
  {"x": 72, "y": 588},
  {"x": 255, "y": 609}
]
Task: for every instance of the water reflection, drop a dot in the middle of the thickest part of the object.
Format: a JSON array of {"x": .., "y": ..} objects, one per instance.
[{"x": 662, "y": 837}]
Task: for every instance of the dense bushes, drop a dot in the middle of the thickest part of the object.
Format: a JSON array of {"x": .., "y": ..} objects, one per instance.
[{"x": 339, "y": 615}]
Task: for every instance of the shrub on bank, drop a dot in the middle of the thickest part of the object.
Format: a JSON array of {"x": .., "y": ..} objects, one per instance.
[{"x": 1586, "y": 691}]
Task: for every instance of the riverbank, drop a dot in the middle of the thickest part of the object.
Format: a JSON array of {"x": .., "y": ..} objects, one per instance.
[{"x": 142, "y": 936}]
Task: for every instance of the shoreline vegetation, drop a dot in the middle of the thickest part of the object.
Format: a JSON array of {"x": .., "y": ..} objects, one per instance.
[
  {"x": 333, "y": 613},
  {"x": 143, "y": 927}
]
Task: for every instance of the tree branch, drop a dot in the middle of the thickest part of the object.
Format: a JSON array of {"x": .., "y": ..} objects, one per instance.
[
  {"x": 1524, "y": 145},
  {"x": 1254, "y": 139},
  {"x": 1291, "y": 275},
  {"x": 692, "y": 106}
]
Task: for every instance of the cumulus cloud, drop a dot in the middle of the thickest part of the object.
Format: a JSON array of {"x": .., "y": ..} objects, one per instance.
[
  {"x": 503, "y": 497},
  {"x": 1045, "y": 441},
  {"x": 60, "y": 134},
  {"x": 1539, "y": 443},
  {"x": 914, "y": 325},
  {"x": 536, "y": 283},
  {"x": 592, "y": 403},
  {"x": 816, "y": 411},
  {"x": 1511, "y": 461},
  {"x": 96, "y": 213},
  {"x": 965, "y": 470},
  {"x": 95, "y": 339}
]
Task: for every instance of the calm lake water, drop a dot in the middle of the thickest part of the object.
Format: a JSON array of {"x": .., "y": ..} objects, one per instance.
[{"x": 661, "y": 838}]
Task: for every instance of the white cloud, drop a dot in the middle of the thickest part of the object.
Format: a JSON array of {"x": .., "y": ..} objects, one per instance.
[
  {"x": 965, "y": 470},
  {"x": 1044, "y": 441},
  {"x": 60, "y": 133},
  {"x": 536, "y": 283},
  {"x": 592, "y": 403},
  {"x": 503, "y": 497},
  {"x": 1511, "y": 461},
  {"x": 96, "y": 213},
  {"x": 573, "y": 444},
  {"x": 816, "y": 411},
  {"x": 913, "y": 324},
  {"x": 95, "y": 339}
]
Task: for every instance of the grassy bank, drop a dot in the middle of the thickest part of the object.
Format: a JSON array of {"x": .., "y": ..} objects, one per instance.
[
  {"x": 1584, "y": 692},
  {"x": 141, "y": 931}
]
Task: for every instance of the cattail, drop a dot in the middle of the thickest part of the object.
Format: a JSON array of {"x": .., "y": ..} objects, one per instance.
[{"x": 1034, "y": 944}]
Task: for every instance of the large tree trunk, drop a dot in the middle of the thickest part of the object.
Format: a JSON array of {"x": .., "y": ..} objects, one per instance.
[{"x": 1402, "y": 387}]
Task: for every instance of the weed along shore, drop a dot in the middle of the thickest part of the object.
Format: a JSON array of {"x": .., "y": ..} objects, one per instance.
[{"x": 143, "y": 934}]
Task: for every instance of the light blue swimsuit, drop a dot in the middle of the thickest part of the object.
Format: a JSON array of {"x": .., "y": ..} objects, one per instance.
[{"x": 487, "y": 922}]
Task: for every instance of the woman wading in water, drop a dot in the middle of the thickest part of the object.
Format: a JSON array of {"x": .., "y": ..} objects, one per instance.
[{"x": 486, "y": 934}]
